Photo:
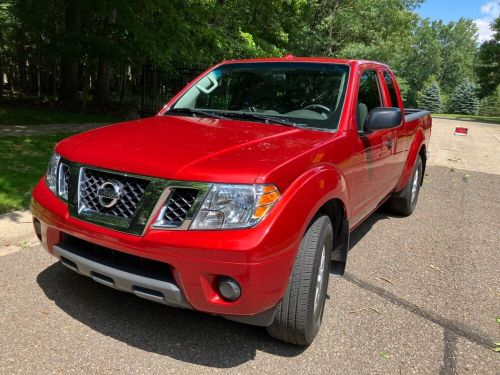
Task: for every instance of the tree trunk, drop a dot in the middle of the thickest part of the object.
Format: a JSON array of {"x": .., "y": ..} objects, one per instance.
[
  {"x": 53, "y": 81},
  {"x": 86, "y": 86},
  {"x": 38, "y": 82},
  {"x": 1, "y": 81},
  {"x": 10, "y": 80},
  {"x": 69, "y": 63},
  {"x": 103, "y": 76},
  {"x": 124, "y": 83},
  {"x": 104, "y": 69}
]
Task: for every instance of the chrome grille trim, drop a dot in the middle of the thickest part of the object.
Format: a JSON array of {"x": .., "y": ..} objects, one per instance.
[
  {"x": 178, "y": 206},
  {"x": 63, "y": 181},
  {"x": 133, "y": 190},
  {"x": 163, "y": 222},
  {"x": 148, "y": 211}
]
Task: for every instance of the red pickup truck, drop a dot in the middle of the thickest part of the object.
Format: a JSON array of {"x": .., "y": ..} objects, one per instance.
[{"x": 239, "y": 197}]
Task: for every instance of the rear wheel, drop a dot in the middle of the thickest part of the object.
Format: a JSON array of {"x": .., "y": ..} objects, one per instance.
[
  {"x": 404, "y": 202},
  {"x": 298, "y": 316}
]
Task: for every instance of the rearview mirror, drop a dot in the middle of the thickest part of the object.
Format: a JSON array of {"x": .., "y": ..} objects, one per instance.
[{"x": 383, "y": 118}]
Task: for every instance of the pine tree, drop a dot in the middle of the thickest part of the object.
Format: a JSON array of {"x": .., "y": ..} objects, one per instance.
[
  {"x": 490, "y": 106},
  {"x": 465, "y": 100},
  {"x": 430, "y": 98}
]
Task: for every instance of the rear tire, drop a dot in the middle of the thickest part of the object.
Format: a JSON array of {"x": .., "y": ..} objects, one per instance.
[
  {"x": 298, "y": 316},
  {"x": 404, "y": 202}
]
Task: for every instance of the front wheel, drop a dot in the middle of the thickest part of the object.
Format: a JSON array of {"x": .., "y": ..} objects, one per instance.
[{"x": 298, "y": 316}]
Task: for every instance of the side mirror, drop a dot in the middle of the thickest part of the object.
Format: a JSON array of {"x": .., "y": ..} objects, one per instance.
[{"x": 383, "y": 118}]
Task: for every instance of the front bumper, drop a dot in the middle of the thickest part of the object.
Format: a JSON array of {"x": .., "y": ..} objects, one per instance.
[
  {"x": 157, "y": 290},
  {"x": 260, "y": 259}
]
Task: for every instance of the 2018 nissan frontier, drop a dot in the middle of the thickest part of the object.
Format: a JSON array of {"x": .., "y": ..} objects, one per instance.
[{"x": 239, "y": 197}]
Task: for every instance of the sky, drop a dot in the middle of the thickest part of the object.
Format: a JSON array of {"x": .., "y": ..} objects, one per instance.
[{"x": 481, "y": 11}]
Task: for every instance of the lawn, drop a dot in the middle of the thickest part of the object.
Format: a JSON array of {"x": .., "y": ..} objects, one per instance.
[
  {"x": 23, "y": 160},
  {"x": 488, "y": 119},
  {"x": 21, "y": 115}
]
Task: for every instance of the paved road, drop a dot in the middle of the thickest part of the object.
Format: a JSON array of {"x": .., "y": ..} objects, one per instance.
[
  {"x": 478, "y": 151},
  {"x": 422, "y": 289},
  {"x": 420, "y": 297}
]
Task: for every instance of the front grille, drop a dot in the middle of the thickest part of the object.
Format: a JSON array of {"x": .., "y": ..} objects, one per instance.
[
  {"x": 119, "y": 260},
  {"x": 63, "y": 180},
  {"x": 132, "y": 191},
  {"x": 178, "y": 206}
]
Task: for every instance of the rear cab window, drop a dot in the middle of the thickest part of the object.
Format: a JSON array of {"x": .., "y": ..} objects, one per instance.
[{"x": 391, "y": 89}]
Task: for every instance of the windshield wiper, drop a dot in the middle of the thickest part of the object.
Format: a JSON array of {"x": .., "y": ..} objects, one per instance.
[
  {"x": 197, "y": 112},
  {"x": 266, "y": 119}
]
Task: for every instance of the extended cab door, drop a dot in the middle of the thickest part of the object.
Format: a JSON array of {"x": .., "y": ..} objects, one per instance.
[
  {"x": 375, "y": 150},
  {"x": 393, "y": 99}
]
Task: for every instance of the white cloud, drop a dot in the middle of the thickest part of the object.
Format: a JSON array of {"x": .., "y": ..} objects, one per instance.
[
  {"x": 491, "y": 10},
  {"x": 484, "y": 30}
]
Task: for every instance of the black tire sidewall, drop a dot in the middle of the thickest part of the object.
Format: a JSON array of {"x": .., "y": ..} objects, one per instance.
[
  {"x": 314, "y": 318},
  {"x": 418, "y": 167}
]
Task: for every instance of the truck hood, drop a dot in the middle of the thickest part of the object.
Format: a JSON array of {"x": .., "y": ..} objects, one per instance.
[{"x": 190, "y": 148}]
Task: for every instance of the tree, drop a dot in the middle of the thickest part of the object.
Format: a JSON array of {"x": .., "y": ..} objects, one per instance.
[
  {"x": 94, "y": 49},
  {"x": 70, "y": 59},
  {"x": 465, "y": 100},
  {"x": 459, "y": 49},
  {"x": 430, "y": 97},
  {"x": 490, "y": 105},
  {"x": 425, "y": 58},
  {"x": 488, "y": 67}
]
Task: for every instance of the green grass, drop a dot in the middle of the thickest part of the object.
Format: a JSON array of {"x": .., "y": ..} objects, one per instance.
[
  {"x": 23, "y": 160},
  {"x": 487, "y": 119},
  {"x": 21, "y": 115}
]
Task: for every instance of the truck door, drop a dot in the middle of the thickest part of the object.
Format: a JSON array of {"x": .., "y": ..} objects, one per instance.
[
  {"x": 400, "y": 146},
  {"x": 376, "y": 149}
]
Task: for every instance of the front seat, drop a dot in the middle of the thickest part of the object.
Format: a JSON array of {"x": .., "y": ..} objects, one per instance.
[{"x": 361, "y": 115}]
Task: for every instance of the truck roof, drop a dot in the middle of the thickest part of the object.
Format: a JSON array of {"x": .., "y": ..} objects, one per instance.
[{"x": 292, "y": 58}]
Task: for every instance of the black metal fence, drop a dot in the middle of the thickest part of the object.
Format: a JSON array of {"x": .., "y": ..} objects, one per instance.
[{"x": 158, "y": 86}]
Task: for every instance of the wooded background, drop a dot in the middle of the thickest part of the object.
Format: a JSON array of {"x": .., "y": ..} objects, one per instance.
[{"x": 82, "y": 53}]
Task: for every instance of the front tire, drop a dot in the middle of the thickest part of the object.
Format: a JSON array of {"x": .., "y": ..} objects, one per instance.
[{"x": 299, "y": 314}]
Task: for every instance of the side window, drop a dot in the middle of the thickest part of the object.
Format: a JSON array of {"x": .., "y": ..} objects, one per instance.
[
  {"x": 391, "y": 88},
  {"x": 368, "y": 96}
]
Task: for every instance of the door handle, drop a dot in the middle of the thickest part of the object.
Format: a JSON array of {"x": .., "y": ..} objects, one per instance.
[{"x": 389, "y": 143}]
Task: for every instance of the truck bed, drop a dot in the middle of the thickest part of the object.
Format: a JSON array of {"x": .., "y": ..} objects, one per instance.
[{"x": 414, "y": 114}]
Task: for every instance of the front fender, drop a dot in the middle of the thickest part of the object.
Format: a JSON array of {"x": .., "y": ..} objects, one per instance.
[{"x": 290, "y": 218}]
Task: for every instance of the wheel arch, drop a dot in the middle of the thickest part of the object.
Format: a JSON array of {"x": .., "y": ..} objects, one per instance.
[
  {"x": 417, "y": 148},
  {"x": 335, "y": 209},
  {"x": 423, "y": 155}
]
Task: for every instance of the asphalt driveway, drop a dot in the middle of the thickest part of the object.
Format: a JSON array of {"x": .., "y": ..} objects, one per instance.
[{"x": 420, "y": 296}]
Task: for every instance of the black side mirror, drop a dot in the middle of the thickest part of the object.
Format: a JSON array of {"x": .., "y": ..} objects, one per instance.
[{"x": 383, "y": 118}]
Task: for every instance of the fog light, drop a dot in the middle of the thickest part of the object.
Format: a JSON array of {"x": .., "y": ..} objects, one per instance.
[{"x": 229, "y": 288}]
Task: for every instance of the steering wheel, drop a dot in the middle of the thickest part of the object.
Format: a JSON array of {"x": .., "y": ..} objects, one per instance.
[{"x": 319, "y": 108}]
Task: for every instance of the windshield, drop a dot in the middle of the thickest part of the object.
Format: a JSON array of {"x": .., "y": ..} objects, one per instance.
[{"x": 284, "y": 93}]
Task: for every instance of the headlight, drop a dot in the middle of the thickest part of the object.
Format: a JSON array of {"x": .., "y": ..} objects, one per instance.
[
  {"x": 52, "y": 172},
  {"x": 235, "y": 206},
  {"x": 57, "y": 176}
]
